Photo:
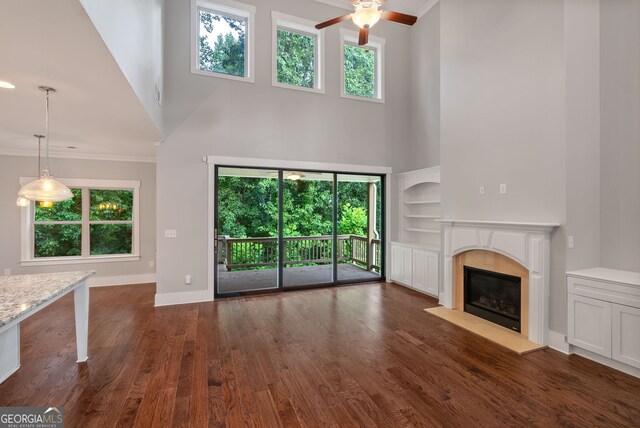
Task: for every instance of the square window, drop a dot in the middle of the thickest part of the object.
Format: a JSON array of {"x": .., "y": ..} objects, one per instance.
[
  {"x": 298, "y": 49},
  {"x": 296, "y": 58},
  {"x": 57, "y": 240},
  {"x": 111, "y": 239},
  {"x": 222, "y": 39},
  {"x": 362, "y": 67}
]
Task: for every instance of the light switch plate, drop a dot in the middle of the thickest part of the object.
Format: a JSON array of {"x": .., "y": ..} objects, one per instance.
[
  {"x": 483, "y": 190},
  {"x": 570, "y": 241},
  {"x": 503, "y": 188},
  {"x": 170, "y": 233}
]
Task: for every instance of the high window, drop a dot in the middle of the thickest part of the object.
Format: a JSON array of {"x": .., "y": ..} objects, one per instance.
[
  {"x": 100, "y": 223},
  {"x": 298, "y": 49},
  {"x": 222, "y": 39},
  {"x": 362, "y": 67}
]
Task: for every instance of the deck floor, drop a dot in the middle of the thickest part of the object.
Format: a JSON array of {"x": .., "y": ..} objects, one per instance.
[{"x": 265, "y": 279}]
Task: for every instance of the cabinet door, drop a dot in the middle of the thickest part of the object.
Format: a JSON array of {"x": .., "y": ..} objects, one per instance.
[
  {"x": 626, "y": 334},
  {"x": 420, "y": 270},
  {"x": 433, "y": 277},
  {"x": 407, "y": 269},
  {"x": 396, "y": 263},
  {"x": 590, "y": 324}
]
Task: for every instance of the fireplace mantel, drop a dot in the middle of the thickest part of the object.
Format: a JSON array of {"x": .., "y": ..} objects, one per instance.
[{"x": 526, "y": 243}]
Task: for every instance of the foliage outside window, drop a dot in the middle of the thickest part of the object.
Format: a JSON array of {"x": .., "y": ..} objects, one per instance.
[
  {"x": 298, "y": 49},
  {"x": 296, "y": 58},
  {"x": 362, "y": 67},
  {"x": 359, "y": 71},
  {"x": 222, "y": 39},
  {"x": 96, "y": 222},
  {"x": 221, "y": 44}
]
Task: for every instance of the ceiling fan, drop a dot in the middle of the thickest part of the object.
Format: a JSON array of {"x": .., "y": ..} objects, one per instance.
[{"x": 366, "y": 15}]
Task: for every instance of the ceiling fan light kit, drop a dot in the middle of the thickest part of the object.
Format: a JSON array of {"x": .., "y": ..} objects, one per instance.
[{"x": 366, "y": 15}]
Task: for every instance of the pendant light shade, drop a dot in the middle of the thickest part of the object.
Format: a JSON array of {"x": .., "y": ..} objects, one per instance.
[{"x": 46, "y": 189}]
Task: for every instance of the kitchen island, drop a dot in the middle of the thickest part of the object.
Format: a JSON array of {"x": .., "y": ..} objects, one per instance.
[{"x": 23, "y": 295}]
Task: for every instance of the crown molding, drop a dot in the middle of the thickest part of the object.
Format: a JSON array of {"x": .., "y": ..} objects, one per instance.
[{"x": 79, "y": 155}]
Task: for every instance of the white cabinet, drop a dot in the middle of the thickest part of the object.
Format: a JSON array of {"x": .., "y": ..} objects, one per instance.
[
  {"x": 591, "y": 326},
  {"x": 604, "y": 313},
  {"x": 626, "y": 334},
  {"x": 416, "y": 267}
]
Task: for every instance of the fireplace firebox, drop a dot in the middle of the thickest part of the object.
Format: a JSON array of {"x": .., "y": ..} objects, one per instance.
[{"x": 493, "y": 296}]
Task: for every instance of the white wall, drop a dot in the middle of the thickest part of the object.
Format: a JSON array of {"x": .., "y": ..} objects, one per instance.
[
  {"x": 14, "y": 167},
  {"x": 211, "y": 116},
  {"x": 620, "y": 134},
  {"x": 582, "y": 47},
  {"x": 425, "y": 90},
  {"x": 132, "y": 30},
  {"x": 503, "y": 116}
]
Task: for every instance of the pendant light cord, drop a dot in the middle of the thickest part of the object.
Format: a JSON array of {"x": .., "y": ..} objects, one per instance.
[{"x": 47, "y": 132}]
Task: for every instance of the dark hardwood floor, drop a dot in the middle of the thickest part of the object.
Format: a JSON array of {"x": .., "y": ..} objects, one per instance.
[{"x": 362, "y": 355}]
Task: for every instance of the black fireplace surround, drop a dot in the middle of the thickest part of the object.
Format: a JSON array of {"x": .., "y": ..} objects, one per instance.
[{"x": 493, "y": 296}]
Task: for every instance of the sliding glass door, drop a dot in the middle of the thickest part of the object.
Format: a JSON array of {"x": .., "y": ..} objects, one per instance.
[
  {"x": 307, "y": 213},
  {"x": 279, "y": 229},
  {"x": 359, "y": 216},
  {"x": 247, "y": 230}
]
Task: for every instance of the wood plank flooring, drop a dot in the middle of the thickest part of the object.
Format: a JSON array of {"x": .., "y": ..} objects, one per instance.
[{"x": 365, "y": 355}]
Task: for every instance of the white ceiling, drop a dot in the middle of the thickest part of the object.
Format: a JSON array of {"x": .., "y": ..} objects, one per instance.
[
  {"x": 54, "y": 43},
  {"x": 411, "y": 7}
]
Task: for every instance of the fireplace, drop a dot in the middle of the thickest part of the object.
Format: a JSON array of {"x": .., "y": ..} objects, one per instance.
[{"x": 493, "y": 296}]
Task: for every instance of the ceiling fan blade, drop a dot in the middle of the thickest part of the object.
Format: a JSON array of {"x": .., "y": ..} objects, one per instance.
[
  {"x": 398, "y": 17},
  {"x": 364, "y": 37},
  {"x": 332, "y": 21}
]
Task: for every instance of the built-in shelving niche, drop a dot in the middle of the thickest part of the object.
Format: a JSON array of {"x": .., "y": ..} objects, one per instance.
[{"x": 420, "y": 207}]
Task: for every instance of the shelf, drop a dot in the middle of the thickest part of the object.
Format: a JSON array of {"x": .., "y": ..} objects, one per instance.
[
  {"x": 423, "y": 230},
  {"x": 422, "y": 202},
  {"x": 432, "y": 217}
]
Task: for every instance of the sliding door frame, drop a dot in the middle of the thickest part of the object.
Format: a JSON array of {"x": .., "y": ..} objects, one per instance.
[{"x": 279, "y": 165}]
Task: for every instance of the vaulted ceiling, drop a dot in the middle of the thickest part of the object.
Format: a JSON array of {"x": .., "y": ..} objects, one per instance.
[{"x": 54, "y": 43}]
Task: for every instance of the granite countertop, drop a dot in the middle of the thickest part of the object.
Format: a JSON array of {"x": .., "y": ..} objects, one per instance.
[{"x": 22, "y": 293}]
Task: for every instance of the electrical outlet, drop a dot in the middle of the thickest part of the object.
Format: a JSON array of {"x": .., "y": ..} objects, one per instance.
[
  {"x": 152, "y": 263},
  {"x": 170, "y": 233},
  {"x": 570, "y": 241},
  {"x": 503, "y": 188},
  {"x": 187, "y": 279},
  {"x": 483, "y": 190},
  {"x": 7, "y": 272}
]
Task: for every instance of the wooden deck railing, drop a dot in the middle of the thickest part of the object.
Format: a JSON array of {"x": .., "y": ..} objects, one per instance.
[{"x": 243, "y": 253}]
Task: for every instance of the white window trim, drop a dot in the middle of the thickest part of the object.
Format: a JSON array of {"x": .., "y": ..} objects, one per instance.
[
  {"x": 294, "y": 23},
  {"x": 27, "y": 225},
  {"x": 232, "y": 8},
  {"x": 376, "y": 43}
]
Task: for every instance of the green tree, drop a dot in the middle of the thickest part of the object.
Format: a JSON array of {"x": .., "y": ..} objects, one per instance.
[
  {"x": 359, "y": 71},
  {"x": 296, "y": 59},
  {"x": 227, "y": 53}
]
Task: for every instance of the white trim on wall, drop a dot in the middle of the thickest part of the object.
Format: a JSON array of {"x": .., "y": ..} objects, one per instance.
[
  {"x": 79, "y": 155},
  {"x": 558, "y": 341},
  {"x": 305, "y": 26},
  {"x": 135, "y": 279}
]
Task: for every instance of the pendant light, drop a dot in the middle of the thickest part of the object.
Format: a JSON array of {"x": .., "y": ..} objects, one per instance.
[
  {"x": 46, "y": 189},
  {"x": 24, "y": 202}
]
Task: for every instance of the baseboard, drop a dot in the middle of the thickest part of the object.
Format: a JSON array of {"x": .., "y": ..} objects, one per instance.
[
  {"x": 108, "y": 281},
  {"x": 184, "y": 297},
  {"x": 558, "y": 342},
  {"x": 607, "y": 361}
]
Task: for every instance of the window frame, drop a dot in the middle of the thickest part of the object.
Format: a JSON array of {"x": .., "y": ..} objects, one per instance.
[
  {"x": 377, "y": 44},
  {"x": 232, "y": 9},
  {"x": 86, "y": 185},
  {"x": 282, "y": 21}
]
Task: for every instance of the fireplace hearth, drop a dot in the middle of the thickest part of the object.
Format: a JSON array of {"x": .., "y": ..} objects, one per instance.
[{"x": 493, "y": 296}]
